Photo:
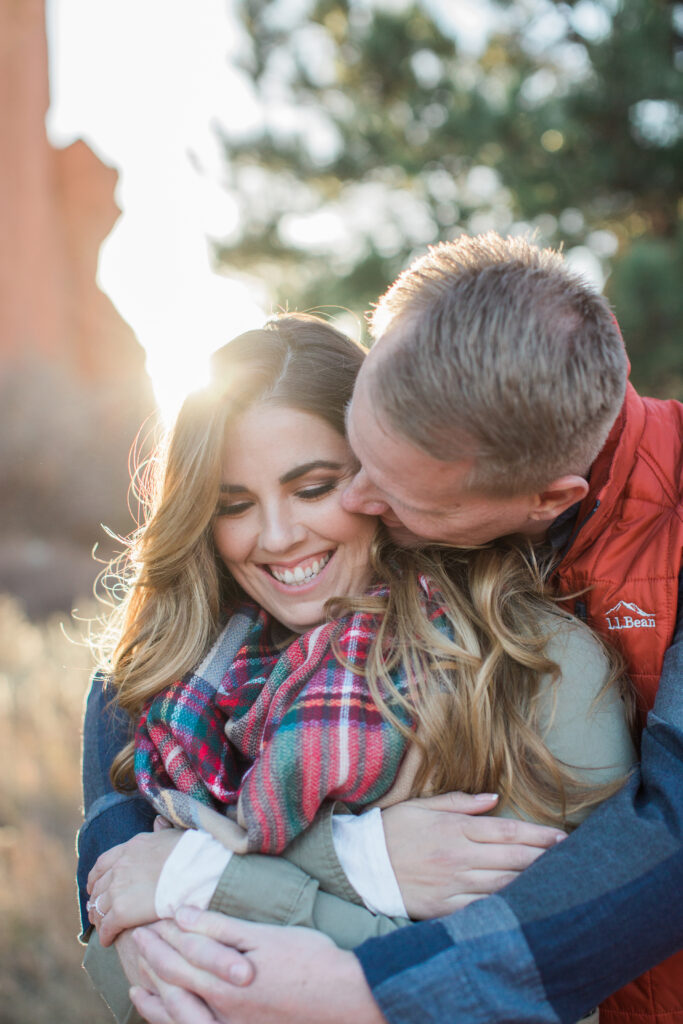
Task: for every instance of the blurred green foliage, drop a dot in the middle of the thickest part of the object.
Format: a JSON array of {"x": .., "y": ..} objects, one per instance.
[{"x": 386, "y": 129}]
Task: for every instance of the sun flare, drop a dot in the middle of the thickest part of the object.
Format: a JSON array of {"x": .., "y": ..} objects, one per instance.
[{"x": 179, "y": 309}]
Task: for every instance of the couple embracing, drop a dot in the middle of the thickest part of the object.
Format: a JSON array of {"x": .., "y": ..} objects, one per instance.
[{"x": 390, "y": 632}]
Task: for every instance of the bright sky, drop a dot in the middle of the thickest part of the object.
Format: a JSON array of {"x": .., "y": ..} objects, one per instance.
[{"x": 142, "y": 81}]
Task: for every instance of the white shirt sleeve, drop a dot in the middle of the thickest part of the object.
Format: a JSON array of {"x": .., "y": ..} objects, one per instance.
[
  {"x": 361, "y": 849},
  {"x": 191, "y": 873}
]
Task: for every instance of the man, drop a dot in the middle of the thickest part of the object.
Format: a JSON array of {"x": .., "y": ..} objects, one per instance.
[{"x": 495, "y": 402}]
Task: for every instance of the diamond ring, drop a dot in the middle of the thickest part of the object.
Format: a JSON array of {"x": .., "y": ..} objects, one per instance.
[{"x": 93, "y": 905}]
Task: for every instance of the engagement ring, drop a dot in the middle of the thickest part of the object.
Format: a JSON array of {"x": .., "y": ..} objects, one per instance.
[{"x": 92, "y": 905}]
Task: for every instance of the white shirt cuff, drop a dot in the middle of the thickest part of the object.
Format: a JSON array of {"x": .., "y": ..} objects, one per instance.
[
  {"x": 361, "y": 849},
  {"x": 191, "y": 873}
]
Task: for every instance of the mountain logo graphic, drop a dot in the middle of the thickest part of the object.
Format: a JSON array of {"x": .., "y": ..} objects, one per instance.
[{"x": 628, "y": 615}]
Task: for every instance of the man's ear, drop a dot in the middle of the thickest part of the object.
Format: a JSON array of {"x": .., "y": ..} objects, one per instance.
[{"x": 558, "y": 496}]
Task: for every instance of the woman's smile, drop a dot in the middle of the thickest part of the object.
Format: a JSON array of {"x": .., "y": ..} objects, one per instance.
[
  {"x": 307, "y": 570},
  {"x": 280, "y": 527}
]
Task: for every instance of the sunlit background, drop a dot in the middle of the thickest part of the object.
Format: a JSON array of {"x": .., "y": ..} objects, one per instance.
[
  {"x": 270, "y": 154},
  {"x": 145, "y": 82},
  {"x": 153, "y": 86}
]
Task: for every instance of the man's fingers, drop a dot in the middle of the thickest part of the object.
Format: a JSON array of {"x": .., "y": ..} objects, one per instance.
[
  {"x": 213, "y": 944},
  {"x": 510, "y": 830},
  {"x": 149, "y": 1006},
  {"x": 171, "y": 963},
  {"x": 163, "y": 958},
  {"x": 180, "y": 1006},
  {"x": 241, "y": 935},
  {"x": 184, "y": 1007}
]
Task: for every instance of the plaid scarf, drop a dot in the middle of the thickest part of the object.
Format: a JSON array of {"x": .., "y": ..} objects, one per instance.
[{"x": 250, "y": 744}]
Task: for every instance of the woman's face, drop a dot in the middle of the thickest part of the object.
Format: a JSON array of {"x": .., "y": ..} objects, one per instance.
[{"x": 280, "y": 527}]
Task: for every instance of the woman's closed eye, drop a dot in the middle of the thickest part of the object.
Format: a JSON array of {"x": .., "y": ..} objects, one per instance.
[
  {"x": 313, "y": 491},
  {"x": 234, "y": 508}
]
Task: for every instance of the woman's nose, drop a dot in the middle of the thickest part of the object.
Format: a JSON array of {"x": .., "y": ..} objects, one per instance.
[
  {"x": 361, "y": 496},
  {"x": 280, "y": 530}
]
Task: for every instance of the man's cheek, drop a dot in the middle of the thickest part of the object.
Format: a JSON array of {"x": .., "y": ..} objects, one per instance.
[{"x": 405, "y": 538}]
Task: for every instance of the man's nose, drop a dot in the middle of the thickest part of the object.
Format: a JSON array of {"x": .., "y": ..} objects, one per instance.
[{"x": 361, "y": 496}]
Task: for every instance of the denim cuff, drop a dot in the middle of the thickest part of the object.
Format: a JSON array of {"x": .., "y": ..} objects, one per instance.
[{"x": 112, "y": 819}]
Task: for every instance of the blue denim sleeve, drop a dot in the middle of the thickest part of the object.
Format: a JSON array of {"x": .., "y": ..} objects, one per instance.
[
  {"x": 110, "y": 817},
  {"x": 587, "y": 917}
]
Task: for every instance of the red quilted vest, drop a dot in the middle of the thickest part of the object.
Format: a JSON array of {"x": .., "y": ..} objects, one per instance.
[{"x": 628, "y": 549}]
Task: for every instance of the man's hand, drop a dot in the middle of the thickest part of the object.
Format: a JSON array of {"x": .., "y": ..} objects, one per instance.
[
  {"x": 444, "y": 856},
  {"x": 129, "y": 955},
  {"x": 301, "y": 977},
  {"x": 123, "y": 882}
]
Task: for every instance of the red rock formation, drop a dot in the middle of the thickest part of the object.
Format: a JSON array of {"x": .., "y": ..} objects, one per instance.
[
  {"x": 56, "y": 208},
  {"x": 73, "y": 389}
]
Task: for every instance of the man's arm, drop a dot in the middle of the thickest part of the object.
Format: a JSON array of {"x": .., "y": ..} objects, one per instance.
[
  {"x": 592, "y": 914},
  {"x": 110, "y": 817}
]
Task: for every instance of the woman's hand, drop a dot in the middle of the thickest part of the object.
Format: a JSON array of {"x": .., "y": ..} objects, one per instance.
[
  {"x": 445, "y": 855},
  {"x": 123, "y": 882}
]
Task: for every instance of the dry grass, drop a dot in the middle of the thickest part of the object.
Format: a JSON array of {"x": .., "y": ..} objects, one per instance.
[{"x": 43, "y": 680}]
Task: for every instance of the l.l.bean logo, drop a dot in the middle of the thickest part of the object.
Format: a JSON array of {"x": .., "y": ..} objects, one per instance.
[{"x": 627, "y": 615}]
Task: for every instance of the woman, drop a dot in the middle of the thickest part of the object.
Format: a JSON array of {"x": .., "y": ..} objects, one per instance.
[{"x": 455, "y": 655}]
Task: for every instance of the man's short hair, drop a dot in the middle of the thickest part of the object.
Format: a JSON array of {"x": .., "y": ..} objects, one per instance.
[{"x": 493, "y": 348}]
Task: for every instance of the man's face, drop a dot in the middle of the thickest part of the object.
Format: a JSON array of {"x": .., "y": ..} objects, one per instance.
[{"x": 418, "y": 496}]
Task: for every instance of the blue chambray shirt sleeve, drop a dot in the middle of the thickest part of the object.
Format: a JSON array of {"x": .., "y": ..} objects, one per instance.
[
  {"x": 109, "y": 817},
  {"x": 587, "y": 917}
]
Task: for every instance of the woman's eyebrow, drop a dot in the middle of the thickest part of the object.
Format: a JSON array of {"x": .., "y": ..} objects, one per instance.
[
  {"x": 286, "y": 478},
  {"x": 298, "y": 471}
]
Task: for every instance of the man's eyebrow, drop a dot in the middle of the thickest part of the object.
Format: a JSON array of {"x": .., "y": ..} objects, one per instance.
[{"x": 307, "y": 467}]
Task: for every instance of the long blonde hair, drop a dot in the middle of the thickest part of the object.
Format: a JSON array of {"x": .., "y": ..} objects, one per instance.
[
  {"x": 479, "y": 698},
  {"x": 473, "y": 698},
  {"x": 176, "y": 591}
]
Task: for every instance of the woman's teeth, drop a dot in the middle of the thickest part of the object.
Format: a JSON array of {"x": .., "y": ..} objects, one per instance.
[{"x": 295, "y": 577}]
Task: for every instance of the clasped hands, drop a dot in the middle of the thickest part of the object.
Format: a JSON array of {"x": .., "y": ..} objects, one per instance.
[{"x": 206, "y": 968}]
